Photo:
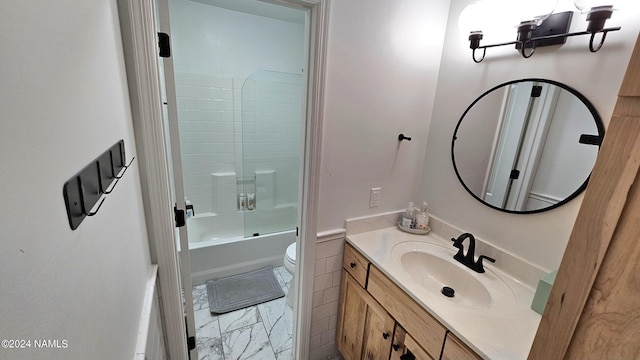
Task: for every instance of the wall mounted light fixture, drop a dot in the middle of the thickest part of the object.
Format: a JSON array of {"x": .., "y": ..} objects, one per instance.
[{"x": 552, "y": 30}]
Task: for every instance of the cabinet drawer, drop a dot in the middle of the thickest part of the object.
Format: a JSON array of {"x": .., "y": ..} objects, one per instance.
[
  {"x": 424, "y": 328},
  {"x": 454, "y": 349},
  {"x": 355, "y": 264}
]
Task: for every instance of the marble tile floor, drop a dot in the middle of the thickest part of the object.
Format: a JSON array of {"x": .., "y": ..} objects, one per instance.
[{"x": 260, "y": 332}]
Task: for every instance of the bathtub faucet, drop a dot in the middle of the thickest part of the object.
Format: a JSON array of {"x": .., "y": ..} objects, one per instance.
[{"x": 190, "y": 211}]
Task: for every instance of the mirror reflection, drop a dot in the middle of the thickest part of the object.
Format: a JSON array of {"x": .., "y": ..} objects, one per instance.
[{"x": 527, "y": 145}]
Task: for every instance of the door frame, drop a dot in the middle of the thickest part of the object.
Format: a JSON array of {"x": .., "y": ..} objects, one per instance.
[
  {"x": 171, "y": 108},
  {"x": 138, "y": 30}
]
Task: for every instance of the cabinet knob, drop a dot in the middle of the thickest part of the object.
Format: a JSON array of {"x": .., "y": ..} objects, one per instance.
[
  {"x": 385, "y": 335},
  {"x": 396, "y": 347},
  {"x": 353, "y": 265}
]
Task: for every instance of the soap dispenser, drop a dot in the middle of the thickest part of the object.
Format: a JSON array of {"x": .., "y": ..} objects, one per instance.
[
  {"x": 408, "y": 216},
  {"x": 422, "y": 218}
]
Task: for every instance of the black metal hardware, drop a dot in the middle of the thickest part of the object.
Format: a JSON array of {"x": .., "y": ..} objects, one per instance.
[
  {"x": 590, "y": 139},
  {"x": 448, "y": 291},
  {"x": 553, "y": 33},
  {"x": 164, "y": 45},
  {"x": 353, "y": 265},
  {"x": 536, "y": 91},
  {"x": 190, "y": 207},
  {"x": 555, "y": 24},
  {"x": 191, "y": 342},
  {"x": 408, "y": 356},
  {"x": 297, "y": 231},
  {"x": 256, "y": 234},
  {"x": 468, "y": 260},
  {"x": 514, "y": 174},
  {"x": 179, "y": 216},
  {"x": 385, "y": 335},
  {"x": 396, "y": 347},
  {"x": 402, "y": 137},
  {"x": 83, "y": 190}
]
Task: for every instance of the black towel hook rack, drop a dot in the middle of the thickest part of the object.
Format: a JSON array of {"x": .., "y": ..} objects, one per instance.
[
  {"x": 108, "y": 191},
  {"x": 91, "y": 184}
]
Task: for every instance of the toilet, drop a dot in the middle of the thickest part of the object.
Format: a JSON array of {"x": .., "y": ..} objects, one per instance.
[{"x": 290, "y": 265}]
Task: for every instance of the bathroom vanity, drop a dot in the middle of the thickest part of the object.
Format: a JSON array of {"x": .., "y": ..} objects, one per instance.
[{"x": 392, "y": 307}]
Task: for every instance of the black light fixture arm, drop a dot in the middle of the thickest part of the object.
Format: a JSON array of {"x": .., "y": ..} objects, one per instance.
[
  {"x": 593, "y": 35},
  {"x": 477, "y": 46}
]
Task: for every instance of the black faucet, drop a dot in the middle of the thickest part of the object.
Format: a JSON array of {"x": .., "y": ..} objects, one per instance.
[{"x": 469, "y": 259}]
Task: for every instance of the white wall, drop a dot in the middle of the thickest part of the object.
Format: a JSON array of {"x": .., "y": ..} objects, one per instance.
[
  {"x": 382, "y": 68},
  {"x": 63, "y": 101},
  {"x": 540, "y": 238}
]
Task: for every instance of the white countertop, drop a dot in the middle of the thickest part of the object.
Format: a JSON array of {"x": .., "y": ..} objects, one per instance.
[{"x": 503, "y": 329}]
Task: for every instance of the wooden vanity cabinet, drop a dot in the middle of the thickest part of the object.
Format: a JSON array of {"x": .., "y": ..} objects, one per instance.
[{"x": 378, "y": 320}]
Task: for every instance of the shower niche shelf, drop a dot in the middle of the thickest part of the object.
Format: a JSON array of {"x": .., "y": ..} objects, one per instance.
[{"x": 91, "y": 184}]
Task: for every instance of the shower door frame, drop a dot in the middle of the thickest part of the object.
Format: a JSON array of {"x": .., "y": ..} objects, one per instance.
[{"x": 139, "y": 29}]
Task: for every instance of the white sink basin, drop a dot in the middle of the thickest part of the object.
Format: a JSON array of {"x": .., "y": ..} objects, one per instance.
[{"x": 432, "y": 267}]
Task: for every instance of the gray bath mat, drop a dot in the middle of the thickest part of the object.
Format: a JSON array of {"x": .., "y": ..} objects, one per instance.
[{"x": 243, "y": 290}]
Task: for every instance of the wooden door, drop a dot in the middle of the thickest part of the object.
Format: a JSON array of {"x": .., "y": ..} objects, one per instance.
[{"x": 592, "y": 311}]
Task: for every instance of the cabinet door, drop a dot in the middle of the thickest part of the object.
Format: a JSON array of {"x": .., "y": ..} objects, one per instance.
[
  {"x": 351, "y": 318},
  {"x": 365, "y": 330},
  {"x": 403, "y": 343},
  {"x": 378, "y": 331},
  {"x": 397, "y": 348},
  {"x": 423, "y": 327},
  {"x": 454, "y": 349},
  {"x": 418, "y": 352}
]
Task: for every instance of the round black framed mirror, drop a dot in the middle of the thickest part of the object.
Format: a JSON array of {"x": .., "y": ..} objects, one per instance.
[{"x": 527, "y": 146}]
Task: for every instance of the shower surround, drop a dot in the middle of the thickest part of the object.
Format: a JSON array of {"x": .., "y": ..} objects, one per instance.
[{"x": 241, "y": 136}]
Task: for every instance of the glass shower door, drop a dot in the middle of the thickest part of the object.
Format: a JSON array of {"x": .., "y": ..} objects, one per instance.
[{"x": 272, "y": 118}]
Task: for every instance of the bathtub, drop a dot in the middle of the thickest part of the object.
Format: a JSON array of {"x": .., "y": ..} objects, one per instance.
[{"x": 218, "y": 248}]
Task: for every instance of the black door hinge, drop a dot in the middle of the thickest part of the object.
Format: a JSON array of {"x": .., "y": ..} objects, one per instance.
[
  {"x": 296, "y": 231},
  {"x": 515, "y": 174},
  {"x": 164, "y": 44},
  {"x": 180, "y": 217},
  {"x": 191, "y": 342},
  {"x": 536, "y": 91}
]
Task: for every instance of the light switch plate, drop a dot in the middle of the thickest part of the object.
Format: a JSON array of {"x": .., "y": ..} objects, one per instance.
[{"x": 374, "y": 196}]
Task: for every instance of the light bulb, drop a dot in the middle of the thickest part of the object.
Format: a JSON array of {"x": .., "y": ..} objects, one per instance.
[{"x": 486, "y": 16}]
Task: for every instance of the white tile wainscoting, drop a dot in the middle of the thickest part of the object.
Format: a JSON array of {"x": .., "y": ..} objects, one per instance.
[{"x": 326, "y": 294}]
